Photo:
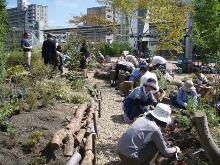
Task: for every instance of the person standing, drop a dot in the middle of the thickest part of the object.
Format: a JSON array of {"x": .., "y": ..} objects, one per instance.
[
  {"x": 60, "y": 58},
  {"x": 26, "y": 46},
  {"x": 49, "y": 52},
  {"x": 84, "y": 55}
]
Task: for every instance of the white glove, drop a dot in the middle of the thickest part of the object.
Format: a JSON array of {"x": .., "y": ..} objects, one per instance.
[
  {"x": 177, "y": 149},
  {"x": 185, "y": 105}
]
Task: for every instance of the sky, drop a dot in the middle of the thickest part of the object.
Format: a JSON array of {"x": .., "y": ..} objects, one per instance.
[{"x": 60, "y": 11}]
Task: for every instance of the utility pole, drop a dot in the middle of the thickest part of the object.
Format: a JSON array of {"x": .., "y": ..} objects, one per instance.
[{"x": 187, "y": 61}]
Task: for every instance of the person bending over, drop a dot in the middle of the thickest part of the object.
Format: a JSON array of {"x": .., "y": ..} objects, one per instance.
[{"x": 142, "y": 141}]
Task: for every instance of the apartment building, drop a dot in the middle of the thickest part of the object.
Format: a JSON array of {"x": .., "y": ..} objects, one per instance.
[
  {"x": 27, "y": 16},
  {"x": 105, "y": 13}
]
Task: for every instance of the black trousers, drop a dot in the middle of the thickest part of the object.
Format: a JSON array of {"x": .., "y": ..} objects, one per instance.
[{"x": 121, "y": 67}]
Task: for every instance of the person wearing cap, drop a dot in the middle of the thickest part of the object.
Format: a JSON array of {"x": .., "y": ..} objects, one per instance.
[
  {"x": 26, "y": 46},
  {"x": 186, "y": 92},
  {"x": 49, "y": 52},
  {"x": 142, "y": 141},
  {"x": 134, "y": 104},
  {"x": 158, "y": 61},
  {"x": 137, "y": 73}
]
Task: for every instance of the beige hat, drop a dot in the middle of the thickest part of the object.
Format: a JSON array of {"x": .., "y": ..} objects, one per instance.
[
  {"x": 188, "y": 85},
  {"x": 125, "y": 52},
  {"x": 162, "y": 112}
]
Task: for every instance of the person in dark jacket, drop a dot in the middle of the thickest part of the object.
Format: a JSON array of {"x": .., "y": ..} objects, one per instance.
[
  {"x": 135, "y": 103},
  {"x": 49, "y": 52},
  {"x": 84, "y": 55}
]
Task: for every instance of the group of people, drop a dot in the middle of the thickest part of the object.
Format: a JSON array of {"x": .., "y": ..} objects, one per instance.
[
  {"x": 143, "y": 140},
  {"x": 52, "y": 53}
]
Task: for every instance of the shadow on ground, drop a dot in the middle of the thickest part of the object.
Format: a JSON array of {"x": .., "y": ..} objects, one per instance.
[{"x": 118, "y": 119}]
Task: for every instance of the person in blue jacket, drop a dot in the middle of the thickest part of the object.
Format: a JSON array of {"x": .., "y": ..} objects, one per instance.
[
  {"x": 137, "y": 73},
  {"x": 186, "y": 92},
  {"x": 135, "y": 102}
]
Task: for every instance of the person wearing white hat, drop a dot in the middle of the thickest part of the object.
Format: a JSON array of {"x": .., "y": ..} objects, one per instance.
[
  {"x": 159, "y": 61},
  {"x": 186, "y": 92},
  {"x": 142, "y": 141},
  {"x": 134, "y": 104}
]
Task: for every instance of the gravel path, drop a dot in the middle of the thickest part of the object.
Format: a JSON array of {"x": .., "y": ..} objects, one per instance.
[{"x": 110, "y": 125}]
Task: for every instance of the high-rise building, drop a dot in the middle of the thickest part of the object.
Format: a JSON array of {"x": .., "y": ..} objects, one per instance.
[
  {"x": 103, "y": 12},
  {"x": 27, "y": 17},
  {"x": 37, "y": 14},
  {"x": 32, "y": 18},
  {"x": 22, "y": 4}
]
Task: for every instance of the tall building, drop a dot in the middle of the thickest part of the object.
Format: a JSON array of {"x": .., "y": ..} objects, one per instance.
[
  {"x": 32, "y": 18},
  {"x": 26, "y": 17},
  {"x": 22, "y": 4},
  {"x": 103, "y": 12},
  {"x": 37, "y": 14}
]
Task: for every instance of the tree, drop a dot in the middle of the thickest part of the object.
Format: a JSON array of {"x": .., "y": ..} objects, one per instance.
[
  {"x": 169, "y": 17},
  {"x": 3, "y": 29},
  {"x": 206, "y": 26}
]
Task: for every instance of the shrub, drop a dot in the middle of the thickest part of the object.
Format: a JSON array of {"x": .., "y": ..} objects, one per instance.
[
  {"x": 32, "y": 140},
  {"x": 115, "y": 48},
  {"x": 17, "y": 58},
  {"x": 38, "y": 160}
]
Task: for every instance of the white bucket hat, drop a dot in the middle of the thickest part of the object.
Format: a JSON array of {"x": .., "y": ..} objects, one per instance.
[
  {"x": 151, "y": 82},
  {"x": 162, "y": 112}
]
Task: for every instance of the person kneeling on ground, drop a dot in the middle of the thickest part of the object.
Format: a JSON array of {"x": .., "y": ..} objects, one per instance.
[
  {"x": 186, "y": 92},
  {"x": 159, "y": 62},
  {"x": 141, "y": 142},
  {"x": 200, "y": 78},
  {"x": 122, "y": 65},
  {"x": 135, "y": 102},
  {"x": 137, "y": 73}
]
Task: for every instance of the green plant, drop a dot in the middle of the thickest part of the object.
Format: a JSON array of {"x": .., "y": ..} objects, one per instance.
[
  {"x": 191, "y": 105},
  {"x": 79, "y": 98},
  {"x": 115, "y": 48},
  {"x": 161, "y": 79},
  {"x": 32, "y": 140},
  {"x": 184, "y": 121},
  {"x": 38, "y": 160},
  {"x": 77, "y": 81},
  {"x": 12, "y": 139},
  {"x": 39, "y": 71},
  {"x": 7, "y": 109}
]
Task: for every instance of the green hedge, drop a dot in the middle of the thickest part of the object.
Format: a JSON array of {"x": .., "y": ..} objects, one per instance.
[
  {"x": 17, "y": 58},
  {"x": 115, "y": 49}
]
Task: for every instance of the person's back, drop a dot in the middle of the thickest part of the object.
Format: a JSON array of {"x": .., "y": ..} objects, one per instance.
[
  {"x": 137, "y": 136},
  {"x": 49, "y": 52}
]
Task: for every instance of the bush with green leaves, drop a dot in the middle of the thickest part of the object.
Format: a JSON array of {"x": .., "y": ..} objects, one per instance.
[
  {"x": 115, "y": 49},
  {"x": 32, "y": 140},
  {"x": 77, "y": 80},
  {"x": 17, "y": 58},
  {"x": 7, "y": 109},
  {"x": 38, "y": 160}
]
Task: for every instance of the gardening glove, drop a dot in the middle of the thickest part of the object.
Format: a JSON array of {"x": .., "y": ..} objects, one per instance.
[
  {"x": 177, "y": 149},
  {"x": 185, "y": 105}
]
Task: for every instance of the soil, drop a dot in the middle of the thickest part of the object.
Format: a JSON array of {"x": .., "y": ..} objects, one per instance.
[
  {"x": 110, "y": 128},
  {"x": 46, "y": 120}
]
